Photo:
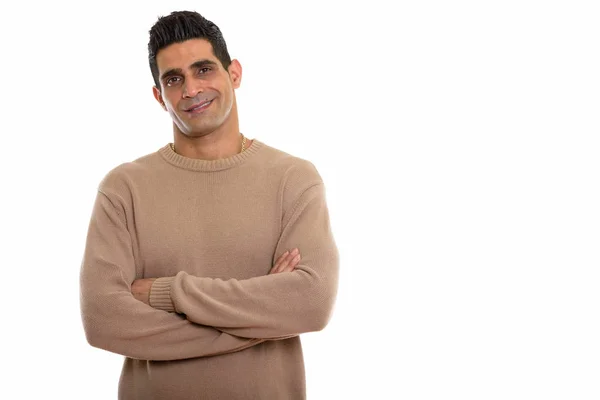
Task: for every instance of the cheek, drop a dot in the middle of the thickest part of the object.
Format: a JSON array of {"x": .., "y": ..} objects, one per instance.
[
  {"x": 226, "y": 97},
  {"x": 170, "y": 96}
]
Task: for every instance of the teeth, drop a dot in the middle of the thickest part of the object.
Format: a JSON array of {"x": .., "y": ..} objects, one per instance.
[{"x": 201, "y": 105}]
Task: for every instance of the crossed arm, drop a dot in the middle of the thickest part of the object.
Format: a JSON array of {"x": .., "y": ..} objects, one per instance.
[
  {"x": 211, "y": 316},
  {"x": 273, "y": 306},
  {"x": 114, "y": 320},
  {"x": 140, "y": 288}
]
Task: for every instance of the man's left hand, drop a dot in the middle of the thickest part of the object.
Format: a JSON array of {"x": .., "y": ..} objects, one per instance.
[{"x": 140, "y": 288}]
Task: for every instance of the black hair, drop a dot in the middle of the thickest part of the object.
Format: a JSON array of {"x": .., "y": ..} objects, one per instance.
[{"x": 180, "y": 26}]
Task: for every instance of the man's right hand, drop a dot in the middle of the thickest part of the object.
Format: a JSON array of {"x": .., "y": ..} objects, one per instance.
[{"x": 286, "y": 262}]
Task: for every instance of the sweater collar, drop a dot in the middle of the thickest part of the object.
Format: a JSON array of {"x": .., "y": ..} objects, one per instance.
[{"x": 196, "y": 164}]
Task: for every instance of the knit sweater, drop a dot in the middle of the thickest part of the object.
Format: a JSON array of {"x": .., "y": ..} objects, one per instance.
[{"x": 218, "y": 326}]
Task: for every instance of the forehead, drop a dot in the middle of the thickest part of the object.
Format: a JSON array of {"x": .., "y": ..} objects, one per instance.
[{"x": 182, "y": 55}]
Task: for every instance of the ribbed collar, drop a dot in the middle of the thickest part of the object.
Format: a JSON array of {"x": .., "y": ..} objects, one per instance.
[{"x": 195, "y": 164}]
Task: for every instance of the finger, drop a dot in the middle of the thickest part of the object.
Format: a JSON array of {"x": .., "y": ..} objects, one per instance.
[
  {"x": 291, "y": 264},
  {"x": 277, "y": 265},
  {"x": 284, "y": 260},
  {"x": 282, "y": 257},
  {"x": 287, "y": 260},
  {"x": 274, "y": 270},
  {"x": 280, "y": 267},
  {"x": 295, "y": 262}
]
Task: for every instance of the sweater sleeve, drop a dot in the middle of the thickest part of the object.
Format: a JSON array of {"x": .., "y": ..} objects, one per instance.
[
  {"x": 272, "y": 306},
  {"x": 114, "y": 320}
]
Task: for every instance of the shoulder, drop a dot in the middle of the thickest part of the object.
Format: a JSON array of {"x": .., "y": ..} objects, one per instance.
[
  {"x": 290, "y": 168},
  {"x": 121, "y": 180},
  {"x": 295, "y": 175}
]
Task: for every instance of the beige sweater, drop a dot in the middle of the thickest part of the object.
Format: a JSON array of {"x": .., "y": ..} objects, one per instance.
[{"x": 219, "y": 326}]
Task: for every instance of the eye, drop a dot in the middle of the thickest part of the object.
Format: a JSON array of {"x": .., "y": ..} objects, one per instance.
[
  {"x": 204, "y": 68},
  {"x": 171, "y": 80}
]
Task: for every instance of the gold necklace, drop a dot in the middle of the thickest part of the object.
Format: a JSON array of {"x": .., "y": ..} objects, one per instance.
[{"x": 243, "y": 144}]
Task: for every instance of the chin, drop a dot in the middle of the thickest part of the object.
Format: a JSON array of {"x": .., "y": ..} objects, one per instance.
[{"x": 198, "y": 132}]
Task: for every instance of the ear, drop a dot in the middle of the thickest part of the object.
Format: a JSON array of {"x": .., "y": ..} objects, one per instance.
[
  {"x": 235, "y": 73},
  {"x": 158, "y": 97}
]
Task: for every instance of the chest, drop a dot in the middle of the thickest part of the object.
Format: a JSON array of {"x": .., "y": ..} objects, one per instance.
[{"x": 206, "y": 233}]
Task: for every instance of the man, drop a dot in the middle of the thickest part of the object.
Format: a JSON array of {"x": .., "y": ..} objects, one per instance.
[{"x": 205, "y": 260}]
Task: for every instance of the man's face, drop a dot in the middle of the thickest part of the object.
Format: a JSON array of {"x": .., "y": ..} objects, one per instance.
[{"x": 195, "y": 88}]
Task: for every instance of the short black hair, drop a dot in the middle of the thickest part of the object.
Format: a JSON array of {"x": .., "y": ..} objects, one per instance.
[{"x": 180, "y": 26}]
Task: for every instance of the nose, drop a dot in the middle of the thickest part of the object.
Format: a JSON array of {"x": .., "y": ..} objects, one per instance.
[{"x": 191, "y": 88}]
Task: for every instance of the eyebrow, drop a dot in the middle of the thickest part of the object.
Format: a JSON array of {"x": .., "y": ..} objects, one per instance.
[{"x": 196, "y": 65}]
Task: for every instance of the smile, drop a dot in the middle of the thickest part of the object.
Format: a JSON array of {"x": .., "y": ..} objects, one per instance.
[{"x": 200, "y": 108}]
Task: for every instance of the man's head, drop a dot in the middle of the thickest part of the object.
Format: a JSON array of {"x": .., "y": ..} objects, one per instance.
[{"x": 191, "y": 67}]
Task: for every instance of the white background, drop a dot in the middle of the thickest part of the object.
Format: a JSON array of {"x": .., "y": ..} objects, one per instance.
[{"x": 459, "y": 146}]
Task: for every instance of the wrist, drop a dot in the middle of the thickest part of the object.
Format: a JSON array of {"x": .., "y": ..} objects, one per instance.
[{"x": 160, "y": 294}]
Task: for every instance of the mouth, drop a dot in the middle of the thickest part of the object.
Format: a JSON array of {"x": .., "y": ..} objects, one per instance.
[{"x": 198, "y": 108}]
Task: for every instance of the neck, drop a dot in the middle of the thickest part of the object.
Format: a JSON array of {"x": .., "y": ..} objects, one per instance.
[
  {"x": 223, "y": 142},
  {"x": 210, "y": 147}
]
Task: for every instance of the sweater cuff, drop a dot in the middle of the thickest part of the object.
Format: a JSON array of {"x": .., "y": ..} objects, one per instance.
[{"x": 160, "y": 294}]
